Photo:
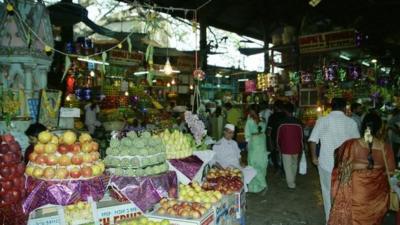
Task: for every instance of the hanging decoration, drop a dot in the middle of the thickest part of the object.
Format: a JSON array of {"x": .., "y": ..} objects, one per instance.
[
  {"x": 67, "y": 66},
  {"x": 331, "y": 72},
  {"x": 294, "y": 78},
  {"x": 319, "y": 77},
  {"x": 52, "y": 109},
  {"x": 342, "y": 74},
  {"x": 306, "y": 77},
  {"x": 199, "y": 75},
  {"x": 9, "y": 105},
  {"x": 354, "y": 72},
  {"x": 129, "y": 44}
]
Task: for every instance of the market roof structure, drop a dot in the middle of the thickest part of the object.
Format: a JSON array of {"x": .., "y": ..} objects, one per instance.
[{"x": 260, "y": 18}]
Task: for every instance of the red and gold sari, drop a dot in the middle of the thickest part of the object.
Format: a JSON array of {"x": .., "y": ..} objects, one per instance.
[{"x": 360, "y": 196}]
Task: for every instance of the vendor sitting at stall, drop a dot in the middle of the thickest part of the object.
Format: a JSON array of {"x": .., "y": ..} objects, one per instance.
[{"x": 227, "y": 154}]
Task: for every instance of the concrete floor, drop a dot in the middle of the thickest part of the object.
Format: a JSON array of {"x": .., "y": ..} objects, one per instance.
[{"x": 281, "y": 206}]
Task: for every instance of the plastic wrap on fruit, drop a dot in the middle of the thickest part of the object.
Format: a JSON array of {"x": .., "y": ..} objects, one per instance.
[{"x": 153, "y": 187}]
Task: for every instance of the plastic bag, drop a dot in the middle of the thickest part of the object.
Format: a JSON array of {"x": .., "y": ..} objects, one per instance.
[{"x": 303, "y": 164}]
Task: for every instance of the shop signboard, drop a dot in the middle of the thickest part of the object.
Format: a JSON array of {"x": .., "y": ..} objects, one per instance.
[
  {"x": 250, "y": 86},
  {"x": 185, "y": 63},
  {"x": 322, "y": 42},
  {"x": 121, "y": 56},
  {"x": 207, "y": 219}
]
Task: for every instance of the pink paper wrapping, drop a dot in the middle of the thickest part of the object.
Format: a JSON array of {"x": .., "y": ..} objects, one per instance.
[
  {"x": 189, "y": 166},
  {"x": 145, "y": 192},
  {"x": 41, "y": 192}
]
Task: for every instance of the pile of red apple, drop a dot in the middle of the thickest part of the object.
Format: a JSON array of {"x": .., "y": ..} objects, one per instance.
[
  {"x": 227, "y": 181},
  {"x": 12, "y": 180},
  {"x": 65, "y": 157},
  {"x": 172, "y": 207}
]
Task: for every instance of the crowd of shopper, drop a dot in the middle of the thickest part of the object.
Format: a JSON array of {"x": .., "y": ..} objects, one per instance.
[{"x": 352, "y": 170}]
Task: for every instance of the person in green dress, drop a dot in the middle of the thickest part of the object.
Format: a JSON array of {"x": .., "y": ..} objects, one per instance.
[{"x": 257, "y": 152}]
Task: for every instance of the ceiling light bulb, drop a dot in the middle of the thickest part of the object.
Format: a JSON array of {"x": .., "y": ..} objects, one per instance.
[
  {"x": 173, "y": 81},
  {"x": 92, "y": 73},
  {"x": 168, "y": 84},
  {"x": 126, "y": 93},
  {"x": 68, "y": 98},
  {"x": 191, "y": 87},
  {"x": 168, "y": 68},
  {"x": 374, "y": 60}
]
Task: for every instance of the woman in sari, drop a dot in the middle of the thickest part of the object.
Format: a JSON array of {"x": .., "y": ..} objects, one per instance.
[
  {"x": 257, "y": 152},
  {"x": 360, "y": 189}
]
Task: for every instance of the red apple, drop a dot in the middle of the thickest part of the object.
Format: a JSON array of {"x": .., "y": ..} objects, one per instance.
[
  {"x": 4, "y": 148},
  {"x": 75, "y": 172},
  {"x": 86, "y": 171},
  {"x": 62, "y": 149},
  {"x": 52, "y": 160},
  {"x": 61, "y": 173},
  {"x": 77, "y": 159},
  {"x": 7, "y": 184},
  {"x": 18, "y": 182},
  {"x": 8, "y": 138},
  {"x": 5, "y": 171},
  {"x": 64, "y": 160},
  {"x": 76, "y": 148},
  {"x": 20, "y": 169},
  {"x": 49, "y": 173},
  {"x": 14, "y": 147},
  {"x": 8, "y": 157},
  {"x": 41, "y": 159},
  {"x": 16, "y": 195}
]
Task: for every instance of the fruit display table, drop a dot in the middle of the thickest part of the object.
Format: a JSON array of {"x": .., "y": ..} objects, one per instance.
[
  {"x": 191, "y": 169},
  {"x": 147, "y": 191},
  {"x": 65, "y": 192}
]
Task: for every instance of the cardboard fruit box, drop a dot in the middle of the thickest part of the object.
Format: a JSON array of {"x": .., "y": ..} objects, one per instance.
[{"x": 208, "y": 218}]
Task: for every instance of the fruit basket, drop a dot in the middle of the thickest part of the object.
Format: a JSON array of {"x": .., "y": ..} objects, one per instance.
[
  {"x": 180, "y": 209},
  {"x": 226, "y": 181},
  {"x": 63, "y": 170},
  {"x": 65, "y": 157}
]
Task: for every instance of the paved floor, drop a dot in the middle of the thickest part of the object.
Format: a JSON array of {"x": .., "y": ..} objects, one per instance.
[{"x": 281, "y": 206}]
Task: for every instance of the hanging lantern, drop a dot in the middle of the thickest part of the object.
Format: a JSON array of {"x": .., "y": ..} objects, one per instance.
[{"x": 168, "y": 68}]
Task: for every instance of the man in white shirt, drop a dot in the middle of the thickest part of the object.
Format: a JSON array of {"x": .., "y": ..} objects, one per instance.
[
  {"x": 227, "y": 154},
  {"x": 331, "y": 131}
]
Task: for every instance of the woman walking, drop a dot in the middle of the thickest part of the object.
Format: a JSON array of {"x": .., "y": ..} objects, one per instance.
[
  {"x": 360, "y": 189},
  {"x": 257, "y": 152}
]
